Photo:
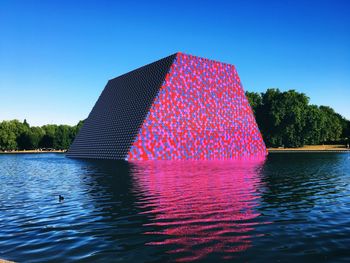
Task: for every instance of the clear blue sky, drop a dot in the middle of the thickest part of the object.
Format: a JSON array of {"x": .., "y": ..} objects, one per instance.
[{"x": 57, "y": 56}]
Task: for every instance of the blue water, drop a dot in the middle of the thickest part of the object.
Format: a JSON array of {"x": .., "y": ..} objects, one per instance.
[{"x": 292, "y": 207}]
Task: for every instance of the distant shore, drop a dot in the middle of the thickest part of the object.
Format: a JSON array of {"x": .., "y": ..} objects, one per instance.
[
  {"x": 306, "y": 148},
  {"x": 33, "y": 151},
  {"x": 313, "y": 148}
]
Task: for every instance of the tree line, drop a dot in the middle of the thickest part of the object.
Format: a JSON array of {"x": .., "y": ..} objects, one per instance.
[
  {"x": 16, "y": 135},
  {"x": 286, "y": 119}
]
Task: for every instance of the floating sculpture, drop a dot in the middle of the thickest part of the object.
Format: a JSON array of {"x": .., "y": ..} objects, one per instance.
[{"x": 180, "y": 107}]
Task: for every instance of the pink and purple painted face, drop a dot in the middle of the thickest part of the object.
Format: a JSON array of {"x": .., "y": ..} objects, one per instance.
[{"x": 200, "y": 113}]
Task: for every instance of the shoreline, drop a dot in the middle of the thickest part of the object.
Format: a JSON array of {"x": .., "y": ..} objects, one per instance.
[
  {"x": 32, "y": 151},
  {"x": 312, "y": 148},
  {"x": 309, "y": 151},
  {"x": 304, "y": 149}
]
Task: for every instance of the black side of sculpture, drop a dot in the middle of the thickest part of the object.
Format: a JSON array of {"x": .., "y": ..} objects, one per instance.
[{"x": 115, "y": 120}]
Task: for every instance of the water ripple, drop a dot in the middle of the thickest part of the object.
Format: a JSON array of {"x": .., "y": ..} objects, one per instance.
[{"x": 291, "y": 207}]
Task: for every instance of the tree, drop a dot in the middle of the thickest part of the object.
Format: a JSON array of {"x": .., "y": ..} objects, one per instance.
[
  {"x": 30, "y": 139},
  {"x": 9, "y": 132},
  {"x": 332, "y": 129},
  {"x": 25, "y": 123},
  {"x": 287, "y": 119},
  {"x": 284, "y": 119},
  {"x": 313, "y": 125},
  {"x": 7, "y": 138},
  {"x": 255, "y": 101},
  {"x": 15, "y": 135},
  {"x": 63, "y": 137},
  {"x": 78, "y": 127},
  {"x": 47, "y": 140},
  {"x": 347, "y": 130}
]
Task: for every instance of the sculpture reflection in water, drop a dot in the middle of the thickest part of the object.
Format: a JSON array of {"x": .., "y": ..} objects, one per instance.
[{"x": 199, "y": 208}]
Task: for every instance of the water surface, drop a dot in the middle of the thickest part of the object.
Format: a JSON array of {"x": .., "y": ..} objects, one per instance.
[{"x": 290, "y": 207}]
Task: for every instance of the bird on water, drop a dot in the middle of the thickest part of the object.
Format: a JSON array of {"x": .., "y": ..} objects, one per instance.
[{"x": 60, "y": 198}]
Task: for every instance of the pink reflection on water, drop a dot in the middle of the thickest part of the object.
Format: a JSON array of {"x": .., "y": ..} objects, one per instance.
[{"x": 200, "y": 207}]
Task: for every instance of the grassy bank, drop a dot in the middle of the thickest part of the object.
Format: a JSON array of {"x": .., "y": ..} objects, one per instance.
[
  {"x": 306, "y": 148},
  {"x": 313, "y": 148}
]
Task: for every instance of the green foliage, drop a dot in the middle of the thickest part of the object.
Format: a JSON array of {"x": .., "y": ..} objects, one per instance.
[
  {"x": 284, "y": 118},
  {"x": 30, "y": 139},
  {"x": 347, "y": 130},
  {"x": 64, "y": 136},
  {"x": 48, "y": 139},
  {"x": 287, "y": 119},
  {"x": 255, "y": 101},
  {"x": 9, "y": 132},
  {"x": 15, "y": 135}
]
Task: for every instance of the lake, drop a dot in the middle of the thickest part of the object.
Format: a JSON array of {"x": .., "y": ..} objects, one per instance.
[{"x": 291, "y": 207}]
